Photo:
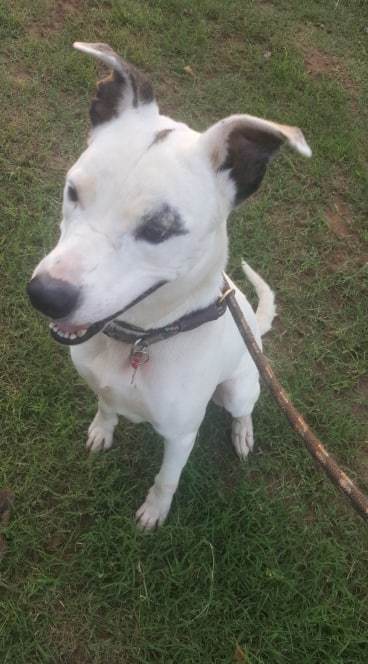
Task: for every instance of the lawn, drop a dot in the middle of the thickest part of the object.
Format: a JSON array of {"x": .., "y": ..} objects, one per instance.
[{"x": 260, "y": 563}]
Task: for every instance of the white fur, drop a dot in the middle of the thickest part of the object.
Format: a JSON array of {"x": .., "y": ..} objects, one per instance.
[{"x": 120, "y": 177}]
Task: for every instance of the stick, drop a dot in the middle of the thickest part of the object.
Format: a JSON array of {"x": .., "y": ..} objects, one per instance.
[{"x": 358, "y": 499}]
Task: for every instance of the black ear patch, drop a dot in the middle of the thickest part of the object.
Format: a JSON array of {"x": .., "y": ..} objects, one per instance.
[
  {"x": 112, "y": 90},
  {"x": 105, "y": 104},
  {"x": 249, "y": 151}
]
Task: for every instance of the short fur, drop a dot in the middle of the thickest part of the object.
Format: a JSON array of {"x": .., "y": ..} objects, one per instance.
[{"x": 137, "y": 164}]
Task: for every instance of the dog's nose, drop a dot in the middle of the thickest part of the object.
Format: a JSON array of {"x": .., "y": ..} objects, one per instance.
[{"x": 53, "y": 297}]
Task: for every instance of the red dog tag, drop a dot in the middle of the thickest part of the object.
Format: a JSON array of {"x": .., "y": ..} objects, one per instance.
[{"x": 139, "y": 355}]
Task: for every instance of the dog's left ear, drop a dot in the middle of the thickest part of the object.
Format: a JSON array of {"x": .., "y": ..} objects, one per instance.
[
  {"x": 124, "y": 88},
  {"x": 242, "y": 146}
]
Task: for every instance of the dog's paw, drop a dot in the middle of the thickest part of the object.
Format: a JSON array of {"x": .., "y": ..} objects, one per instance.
[
  {"x": 154, "y": 510},
  {"x": 100, "y": 435},
  {"x": 242, "y": 435},
  {"x": 99, "y": 440}
]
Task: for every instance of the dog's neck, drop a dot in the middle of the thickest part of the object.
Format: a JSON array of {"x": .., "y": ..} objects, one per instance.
[
  {"x": 191, "y": 292},
  {"x": 174, "y": 301}
]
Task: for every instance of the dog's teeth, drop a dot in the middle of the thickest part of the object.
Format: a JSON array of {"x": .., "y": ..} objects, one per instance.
[{"x": 67, "y": 335}]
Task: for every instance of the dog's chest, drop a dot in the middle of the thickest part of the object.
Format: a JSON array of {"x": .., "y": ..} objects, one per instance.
[
  {"x": 175, "y": 384},
  {"x": 180, "y": 373},
  {"x": 108, "y": 370}
]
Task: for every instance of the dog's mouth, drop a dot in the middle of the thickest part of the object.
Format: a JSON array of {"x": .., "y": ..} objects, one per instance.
[{"x": 73, "y": 335}]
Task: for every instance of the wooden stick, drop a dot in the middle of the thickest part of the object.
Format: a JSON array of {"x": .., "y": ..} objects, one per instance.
[{"x": 358, "y": 499}]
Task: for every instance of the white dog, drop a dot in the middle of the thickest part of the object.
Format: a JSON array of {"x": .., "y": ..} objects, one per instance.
[{"x": 144, "y": 232}]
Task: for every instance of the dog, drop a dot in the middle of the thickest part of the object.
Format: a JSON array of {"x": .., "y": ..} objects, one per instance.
[{"x": 134, "y": 285}]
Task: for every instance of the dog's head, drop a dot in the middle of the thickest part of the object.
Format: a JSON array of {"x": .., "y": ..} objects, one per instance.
[{"x": 145, "y": 205}]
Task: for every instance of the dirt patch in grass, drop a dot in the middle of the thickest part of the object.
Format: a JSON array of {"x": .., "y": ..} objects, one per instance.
[
  {"x": 167, "y": 92},
  {"x": 341, "y": 260},
  {"x": 19, "y": 77},
  {"x": 231, "y": 47},
  {"x": 55, "y": 19},
  {"x": 338, "y": 260},
  {"x": 361, "y": 466},
  {"x": 319, "y": 63},
  {"x": 339, "y": 219},
  {"x": 360, "y": 407},
  {"x": 362, "y": 386},
  {"x": 240, "y": 655},
  {"x": 351, "y": 252}
]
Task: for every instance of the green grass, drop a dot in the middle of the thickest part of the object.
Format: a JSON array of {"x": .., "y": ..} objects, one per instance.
[{"x": 263, "y": 563}]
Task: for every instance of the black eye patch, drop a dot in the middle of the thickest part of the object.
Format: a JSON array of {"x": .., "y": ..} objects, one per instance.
[
  {"x": 72, "y": 194},
  {"x": 160, "y": 225}
]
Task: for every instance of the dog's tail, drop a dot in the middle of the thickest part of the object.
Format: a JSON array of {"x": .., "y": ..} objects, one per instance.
[{"x": 266, "y": 309}]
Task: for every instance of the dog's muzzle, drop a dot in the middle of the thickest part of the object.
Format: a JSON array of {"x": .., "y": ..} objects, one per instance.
[
  {"x": 57, "y": 299},
  {"x": 53, "y": 297}
]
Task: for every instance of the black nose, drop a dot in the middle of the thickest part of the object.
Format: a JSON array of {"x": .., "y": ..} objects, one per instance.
[{"x": 53, "y": 297}]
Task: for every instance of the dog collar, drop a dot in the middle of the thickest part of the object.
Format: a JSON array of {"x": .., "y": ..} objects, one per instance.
[
  {"x": 142, "y": 339},
  {"x": 121, "y": 331}
]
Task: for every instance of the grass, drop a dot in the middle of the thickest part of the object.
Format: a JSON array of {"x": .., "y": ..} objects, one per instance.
[{"x": 263, "y": 563}]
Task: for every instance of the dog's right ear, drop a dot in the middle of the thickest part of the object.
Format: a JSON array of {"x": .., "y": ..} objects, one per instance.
[{"x": 124, "y": 88}]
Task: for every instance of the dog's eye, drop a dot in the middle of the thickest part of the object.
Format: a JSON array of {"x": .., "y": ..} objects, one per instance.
[
  {"x": 153, "y": 232},
  {"x": 72, "y": 194},
  {"x": 156, "y": 227}
]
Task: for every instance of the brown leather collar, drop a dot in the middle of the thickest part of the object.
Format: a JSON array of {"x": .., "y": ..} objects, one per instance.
[{"x": 131, "y": 334}]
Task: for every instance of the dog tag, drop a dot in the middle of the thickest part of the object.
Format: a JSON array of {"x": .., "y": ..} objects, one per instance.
[{"x": 139, "y": 355}]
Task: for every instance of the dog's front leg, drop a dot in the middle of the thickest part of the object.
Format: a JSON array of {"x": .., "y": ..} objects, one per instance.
[
  {"x": 101, "y": 429},
  {"x": 156, "y": 507}
]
